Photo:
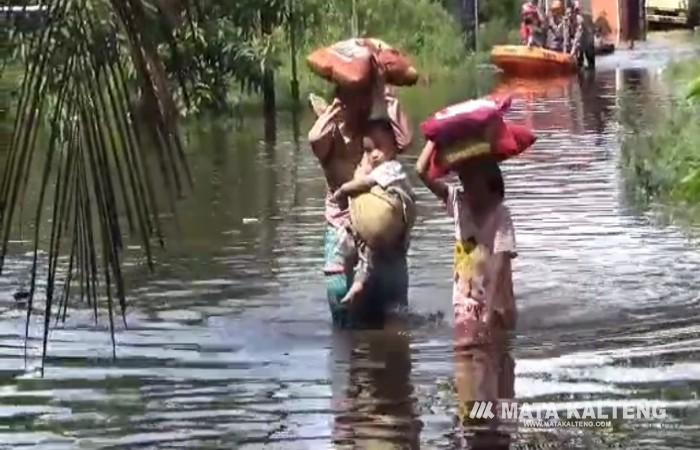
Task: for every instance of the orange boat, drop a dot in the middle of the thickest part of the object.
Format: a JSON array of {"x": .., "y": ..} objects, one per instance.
[{"x": 522, "y": 60}]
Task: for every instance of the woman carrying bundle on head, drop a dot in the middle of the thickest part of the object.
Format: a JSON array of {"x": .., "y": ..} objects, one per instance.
[
  {"x": 469, "y": 140},
  {"x": 364, "y": 116}
]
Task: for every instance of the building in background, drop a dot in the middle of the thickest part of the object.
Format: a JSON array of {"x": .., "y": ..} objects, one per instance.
[
  {"x": 668, "y": 12},
  {"x": 624, "y": 20}
]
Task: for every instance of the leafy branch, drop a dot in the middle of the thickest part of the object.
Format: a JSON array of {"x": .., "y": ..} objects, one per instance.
[{"x": 102, "y": 139}]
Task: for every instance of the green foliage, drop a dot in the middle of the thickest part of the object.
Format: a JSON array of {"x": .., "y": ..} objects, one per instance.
[
  {"x": 661, "y": 149},
  {"x": 496, "y": 32},
  {"x": 97, "y": 136},
  {"x": 224, "y": 47},
  {"x": 688, "y": 73},
  {"x": 215, "y": 52},
  {"x": 227, "y": 45},
  {"x": 665, "y": 162},
  {"x": 682, "y": 72},
  {"x": 694, "y": 89},
  {"x": 506, "y": 11},
  {"x": 223, "y": 43},
  {"x": 423, "y": 29}
]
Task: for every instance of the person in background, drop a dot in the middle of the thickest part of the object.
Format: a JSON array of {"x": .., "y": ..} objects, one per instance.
[
  {"x": 336, "y": 141},
  {"x": 581, "y": 36},
  {"x": 531, "y": 21},
  {"x": 556, "y": 27}
]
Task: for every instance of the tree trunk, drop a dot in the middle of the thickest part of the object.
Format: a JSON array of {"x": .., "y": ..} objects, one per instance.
[
  {"x": 172, "y": 11},
  {"x": 268, "y": 82},
  {"x": 293, "y": 50},
  {"x": 269, "y": 91},
  {"x": 467, "y": 10}
]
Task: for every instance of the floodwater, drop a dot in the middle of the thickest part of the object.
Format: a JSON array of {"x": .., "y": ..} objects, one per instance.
[{"x": 229, "y": 343}]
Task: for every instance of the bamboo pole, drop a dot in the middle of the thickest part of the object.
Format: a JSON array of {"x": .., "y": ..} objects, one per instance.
[
  {"x": 293, "y": 51},
  {"x": 354, "y": 23},
  {"x": 476, "y": 25}
]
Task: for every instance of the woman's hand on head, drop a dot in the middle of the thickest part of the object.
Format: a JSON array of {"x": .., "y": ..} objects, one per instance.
[{"x": 437, "y": 187}]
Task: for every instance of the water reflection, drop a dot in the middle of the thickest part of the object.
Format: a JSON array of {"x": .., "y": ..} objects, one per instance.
[
  {"x": 373, "y": 398},
  {"x": 578, "y": 104},
  {"x": 546, "y": 103},
  {"x": 634, "y": 80},
  {"x": 597, "y": 103},
  {"x": 483, "y": 374}
]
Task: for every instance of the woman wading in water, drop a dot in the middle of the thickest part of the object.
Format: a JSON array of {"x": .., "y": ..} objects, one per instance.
[{"x": 336, "y": 141}]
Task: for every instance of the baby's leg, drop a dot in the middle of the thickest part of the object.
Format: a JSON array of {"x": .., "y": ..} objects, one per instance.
[
  {"x": 357, "y": 290},
  {"x": 345, "y": 248}
]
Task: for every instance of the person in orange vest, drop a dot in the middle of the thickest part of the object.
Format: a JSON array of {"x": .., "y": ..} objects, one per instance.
[
  {"x": 555, "y": 26},
  {"x": 581, "y": 39},
  {"x": 531, "y": 21}
]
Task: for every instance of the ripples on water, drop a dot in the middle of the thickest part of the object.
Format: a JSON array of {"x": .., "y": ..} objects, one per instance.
[{"x": 229, "y": 343}]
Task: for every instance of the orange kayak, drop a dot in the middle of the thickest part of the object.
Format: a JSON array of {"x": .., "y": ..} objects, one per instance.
[{"x": 524, "y": 61}]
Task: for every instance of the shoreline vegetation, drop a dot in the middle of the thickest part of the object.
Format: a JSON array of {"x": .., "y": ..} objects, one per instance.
[
  {"x": 661, "y": 162},
  {"x": 427, "y": 30},
  {"x": 239, "y": 55},
  {"x": 423, "y": 29}
]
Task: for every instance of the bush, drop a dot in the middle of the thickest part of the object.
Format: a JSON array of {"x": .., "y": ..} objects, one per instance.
[
  {"x": 664, "y": 163},
  {"x": 421, "y": 28},
  {"x": 497, "y": 32},
  {"x": 506, "y": 11},
  {"x": 661, "y": 150}
]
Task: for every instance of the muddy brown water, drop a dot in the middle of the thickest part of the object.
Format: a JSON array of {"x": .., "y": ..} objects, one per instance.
[{"x": 230, "y": 346}]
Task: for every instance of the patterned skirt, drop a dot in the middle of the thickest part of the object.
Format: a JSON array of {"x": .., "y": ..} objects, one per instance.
[{"x": 386, "y": 287}]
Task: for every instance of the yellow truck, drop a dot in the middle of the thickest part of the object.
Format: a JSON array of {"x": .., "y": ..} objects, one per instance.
[{"x": 672, "y": 12}]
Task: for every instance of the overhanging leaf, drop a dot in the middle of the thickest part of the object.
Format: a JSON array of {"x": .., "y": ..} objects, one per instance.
[{"x": 93, "y": 130}]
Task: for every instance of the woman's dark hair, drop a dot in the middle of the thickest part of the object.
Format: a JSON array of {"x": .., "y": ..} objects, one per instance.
[
  {"x": 383, "y": 125},
  {"x": 488, "y": 167},
  {"x": 494, "y": 178}
]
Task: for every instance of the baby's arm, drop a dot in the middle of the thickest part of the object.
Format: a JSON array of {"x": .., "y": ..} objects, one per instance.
[
  {"x": 436, "y": 187},
  {"x": 353, "y": 188}
]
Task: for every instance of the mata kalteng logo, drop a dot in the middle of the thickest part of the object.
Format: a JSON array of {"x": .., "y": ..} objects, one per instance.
[
  {"x": 534, "y": 415},
  {"x": 482, "y": 410}
]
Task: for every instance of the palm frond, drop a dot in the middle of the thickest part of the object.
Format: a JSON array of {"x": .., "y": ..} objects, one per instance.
[{"x": 96, "y": 133}]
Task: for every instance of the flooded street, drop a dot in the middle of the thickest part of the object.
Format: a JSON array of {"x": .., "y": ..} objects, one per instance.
[{"x": 230, "y": 345}]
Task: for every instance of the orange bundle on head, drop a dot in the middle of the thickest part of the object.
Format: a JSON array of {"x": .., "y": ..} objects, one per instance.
[
  {"x": 396, "y": 66},
  {"x": 350, "y": 63},
  {"x": 470, "y": 129}
]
